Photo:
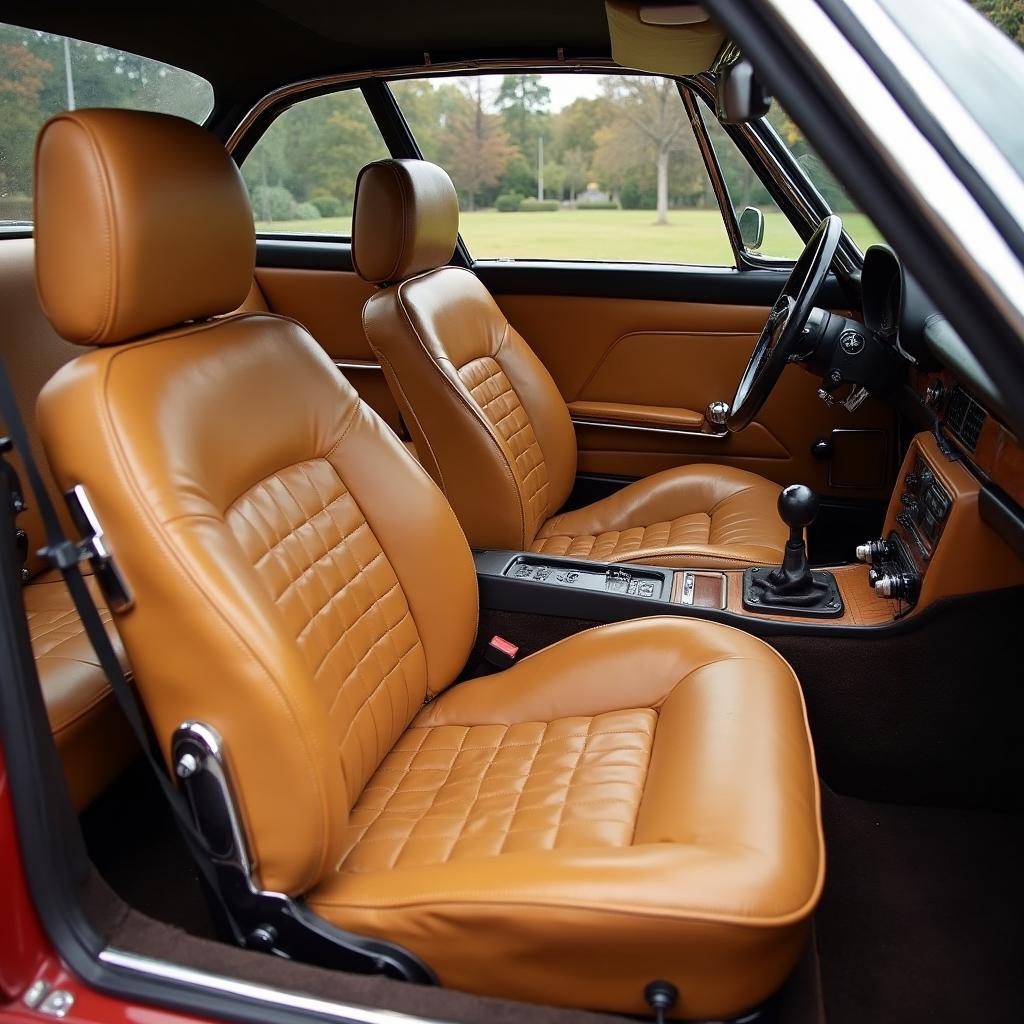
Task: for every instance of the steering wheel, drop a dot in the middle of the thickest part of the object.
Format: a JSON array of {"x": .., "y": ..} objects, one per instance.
[{"x": 779, "y": 340}]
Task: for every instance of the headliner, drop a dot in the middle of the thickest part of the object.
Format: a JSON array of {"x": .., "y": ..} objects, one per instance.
[{"x": 246, "y": 48}]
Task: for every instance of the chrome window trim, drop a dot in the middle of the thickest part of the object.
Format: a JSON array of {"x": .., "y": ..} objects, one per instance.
[
  {"x": 712, "y": 435},
  {"x": 791, "y": 181},
  {"x": 256, "y": 993},
  {"x": 688, "y": 84},
  {"x": 296, "y": 89},
  {"x": 714, "y": 172},
  {"x": 942, "y": 198}
]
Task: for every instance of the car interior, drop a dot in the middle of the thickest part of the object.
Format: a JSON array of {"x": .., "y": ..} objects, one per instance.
[{"x": 535, "y": 639}]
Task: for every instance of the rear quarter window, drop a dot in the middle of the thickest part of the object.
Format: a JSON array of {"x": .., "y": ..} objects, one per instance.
[{"x": 42, "y": 74}]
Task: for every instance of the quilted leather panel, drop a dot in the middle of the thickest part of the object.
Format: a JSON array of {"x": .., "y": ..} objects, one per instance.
[
  {"x": 335, "y": 588},
  {"x": 723, "y": 517},
  {"x": 58, "y": 631},
  {"x": 454, "y": 793},
  {"x": 493, "y": 392},
  {"x": 621, "y": 545}
]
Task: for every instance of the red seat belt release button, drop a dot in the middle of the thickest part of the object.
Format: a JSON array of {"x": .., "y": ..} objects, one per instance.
[{"x": 500, "y": 653}]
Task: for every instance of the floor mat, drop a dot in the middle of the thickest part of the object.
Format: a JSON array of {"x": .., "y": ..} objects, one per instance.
[{"x": 923, "y": 914}]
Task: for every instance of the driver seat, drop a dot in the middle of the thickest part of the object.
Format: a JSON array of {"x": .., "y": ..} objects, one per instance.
[{"x": 488, "y": 421}]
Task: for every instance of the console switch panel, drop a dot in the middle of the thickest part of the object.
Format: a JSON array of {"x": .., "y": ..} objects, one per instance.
[{"x": 627, "y": 581}]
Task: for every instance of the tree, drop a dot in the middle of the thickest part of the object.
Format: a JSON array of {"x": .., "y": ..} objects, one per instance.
[
  {"x": 577, "y": 165},
  {"x": 648, "y": 119},
  {"x": 554, "y": 179},
  {"x": 524, "y": 102},
  {"x": 1007, "y": 15},
  {"x": 478, "y": 145},
  {"x": 20, "y": 87}
]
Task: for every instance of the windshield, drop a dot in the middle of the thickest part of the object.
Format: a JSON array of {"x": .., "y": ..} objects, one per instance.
[
  {"x": 977, "y": 62},
  {"x": 42, "y": 74}
]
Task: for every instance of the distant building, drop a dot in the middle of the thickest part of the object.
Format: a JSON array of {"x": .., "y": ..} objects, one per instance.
[{"x": 592, "y": 194}]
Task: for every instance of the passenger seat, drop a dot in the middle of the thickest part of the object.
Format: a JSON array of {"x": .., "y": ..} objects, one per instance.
[{"x": 93, "y": 739}]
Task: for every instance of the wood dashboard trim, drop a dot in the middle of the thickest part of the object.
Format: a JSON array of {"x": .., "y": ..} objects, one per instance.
[{"x": 861, "y": 605}]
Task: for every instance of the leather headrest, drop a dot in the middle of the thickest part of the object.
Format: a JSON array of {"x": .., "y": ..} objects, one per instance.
[
  {"x": 142, "y": 222},
  {"x": 406, "y": 220}
]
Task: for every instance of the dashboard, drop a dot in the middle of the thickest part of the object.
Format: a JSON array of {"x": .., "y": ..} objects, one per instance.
[{"x": 945, "y": 387}]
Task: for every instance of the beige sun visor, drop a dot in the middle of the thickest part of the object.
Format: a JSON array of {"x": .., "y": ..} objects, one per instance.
[{"x": 669, "y": 39}]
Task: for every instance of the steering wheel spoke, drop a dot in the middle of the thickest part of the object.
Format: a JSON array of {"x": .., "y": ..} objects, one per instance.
[{"x": 780, "y": 338}]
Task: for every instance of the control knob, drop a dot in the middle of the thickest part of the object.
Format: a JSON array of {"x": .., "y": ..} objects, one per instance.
[
  {"x": 911, "y": 481},
  {"x": 905, "y": 519},
  {"x": 873, "y": 551},
  {"x": 901, "y": 585}
]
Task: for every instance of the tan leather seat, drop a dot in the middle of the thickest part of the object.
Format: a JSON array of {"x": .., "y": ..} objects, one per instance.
[
  {"x": 639, "y": 801},
  {"x": 93, "y": 739},
  {"x": 489, "y": 423}
]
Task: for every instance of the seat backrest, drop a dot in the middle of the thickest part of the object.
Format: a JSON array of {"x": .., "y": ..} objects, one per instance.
[
  {"x": 488, "y": 420},
  {"x": 32, "y": 352},
  {"x": 300, "y": 583}
]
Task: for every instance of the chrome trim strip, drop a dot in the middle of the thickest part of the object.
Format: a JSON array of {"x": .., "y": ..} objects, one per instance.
[
  {"x": 941, "y": 197},
  {"x": 677, "y": 431},
  {"x": 356, "y": 364},
  {"x": 792, "y": 186},
  {"x": 415, "y": 70},
  {"x": 166, "y": 971},
  {"x": 714, "y": 172}
]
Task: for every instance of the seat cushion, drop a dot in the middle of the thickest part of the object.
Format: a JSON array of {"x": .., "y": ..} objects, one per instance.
[
  {"x": 93, "y": 738},
  {"x": 637, "y": 802},
  {"x": 703, "y": 516}
]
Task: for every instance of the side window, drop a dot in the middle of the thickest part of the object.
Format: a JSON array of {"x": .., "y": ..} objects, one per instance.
[
  {"x": 570, "y": 166},
  {"x": 780, "y": 239},
  {"x": 857, "y": 224},
  {"x": 746, "y": 191},
  {"x": 301, "y": 174},
  {"x": 42, "y": 74}
]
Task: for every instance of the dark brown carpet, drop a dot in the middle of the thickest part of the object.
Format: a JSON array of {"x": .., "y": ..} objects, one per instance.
[{"x": 923, "y": 915}]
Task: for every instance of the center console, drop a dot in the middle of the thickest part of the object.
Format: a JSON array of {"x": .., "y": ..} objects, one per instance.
[
  {"x": 602, "y": 591},
  {"x": 934, "y": 545}
]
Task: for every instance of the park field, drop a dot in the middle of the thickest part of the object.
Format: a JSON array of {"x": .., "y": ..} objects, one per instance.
[{"x": 691, "y": 236}]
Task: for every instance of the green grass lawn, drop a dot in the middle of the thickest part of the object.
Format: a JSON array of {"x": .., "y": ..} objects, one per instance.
[{"x": 691, "y": 236}]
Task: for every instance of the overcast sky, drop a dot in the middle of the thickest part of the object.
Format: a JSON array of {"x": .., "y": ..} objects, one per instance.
[{"x": 565, "y": 87}]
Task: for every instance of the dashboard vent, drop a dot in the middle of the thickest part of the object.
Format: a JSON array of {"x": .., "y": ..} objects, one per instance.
[{"x": 965, "y": 417}]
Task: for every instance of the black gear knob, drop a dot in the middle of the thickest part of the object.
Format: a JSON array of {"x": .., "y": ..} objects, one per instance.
[{"x": 798, "y": 506}]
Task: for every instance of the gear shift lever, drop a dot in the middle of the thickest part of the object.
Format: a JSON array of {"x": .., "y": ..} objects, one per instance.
[
  {"x": 798, "y": 508},
  {"x": 792, "y": 588}
]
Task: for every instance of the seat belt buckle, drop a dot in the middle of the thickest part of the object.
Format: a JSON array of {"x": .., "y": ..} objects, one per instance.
[{"x": 500, "y": 653}]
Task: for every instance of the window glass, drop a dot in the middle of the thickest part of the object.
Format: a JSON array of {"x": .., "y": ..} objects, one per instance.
[
  {"x": 301, "y": 175},
  {"x": 746, "y": 190},
  {"x": 857, "y": 224},
  {"x": 42, "y": 74},
  {"x": 570, "y": 166},
  {"x": 780, "y": 239}
]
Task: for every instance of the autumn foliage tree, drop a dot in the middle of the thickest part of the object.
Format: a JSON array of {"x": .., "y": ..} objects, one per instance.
[
  {"x": 647, "y": 118},
  {"x": 478, "y": 146},
  {"x": 20, "y": 88}
]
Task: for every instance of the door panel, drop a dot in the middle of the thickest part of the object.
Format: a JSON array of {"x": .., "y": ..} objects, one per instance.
[
  {"x": 683, "y": 355},
  {"x": 329, "y": 303}
]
